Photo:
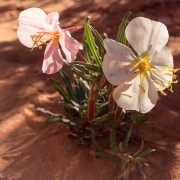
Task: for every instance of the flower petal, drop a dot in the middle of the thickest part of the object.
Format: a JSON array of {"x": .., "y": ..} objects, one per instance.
[
  {"x": 53, "y": 60},
  {"x": 146, "y": 35},
  {"x": 30, "y": 22},
  {"x": 164, "y": 58},
  {"x": 118, "y": 50},
  {"x": 132, "y": 97},
  {"x": 69, "y": 46},
  {"x": 52, "y": 18},
  {"x": 115, "y": 70}
]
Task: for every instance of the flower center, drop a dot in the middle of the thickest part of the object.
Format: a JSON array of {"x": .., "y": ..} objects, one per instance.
[
  {"x": 43, "y": 37},
  {"x": 142, "y": 64}
]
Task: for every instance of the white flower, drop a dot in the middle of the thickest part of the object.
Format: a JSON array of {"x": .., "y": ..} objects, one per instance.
[{"x": 139, "y": 77}]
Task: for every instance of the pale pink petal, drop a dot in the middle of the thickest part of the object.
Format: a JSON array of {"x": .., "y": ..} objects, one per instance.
[
  {"x": 69, "y": 46},
  {"x": 53, "y": 60},
  {"x": 119, "y": 50},
  {"x": 146, "y": 35},
  {"x": 115, "y": 70},
  {"x": 30, "y": 22},
  {"x": 132, "y": 97},
  {"x": 53, "y": 20}
]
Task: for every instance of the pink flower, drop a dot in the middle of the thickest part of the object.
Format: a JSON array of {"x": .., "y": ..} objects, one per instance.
[{"x": 37, "y": 28}]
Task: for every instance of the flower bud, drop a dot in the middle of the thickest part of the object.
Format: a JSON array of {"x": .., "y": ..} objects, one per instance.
[
  {"x": 121, "y": 147},
  {"x": 110, "y": 88},
  {"x": 103, "y": 82},
  {"x": 118, "y": 113},
  {"x": 111, "y": 102},
  {"x": 96, "y": 92},
  {"x": 91, "y": 108}
]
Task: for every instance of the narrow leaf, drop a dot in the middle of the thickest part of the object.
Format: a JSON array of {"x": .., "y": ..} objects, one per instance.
[
  {"x": 89, "y": 39},
  {"x": 149, "y": 150},
  {"x": 121, "y": 32},
  {"x": 113, "y": 144},
  {"x": 103, "y": 109},
  {"x": 100, "y": 40},
  {"x": 88, "y": 66},
  {"x": 79, "y": 91},
  {"x": 48, "y": 112},
  {"x": 104, "y": 118},
  {"x": 69, "y": 106},
  {"x": 92, "y": 135},
  {"x": 59, "y": 88},
  {"x": 86, "y": 50},
  {"x": 80, "y": 73},
  {"x": 125, "y": 143},
  {"x": 67, "y": 83},
  {"x": 141, "y": 148}
]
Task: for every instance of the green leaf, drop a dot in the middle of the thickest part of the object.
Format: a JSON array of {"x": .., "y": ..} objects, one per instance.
[
  {"x": 48, "y": 112},
  {"x": 88, "y": 66},
  {"x": 106, "y": 141},
  {"x": 56, "y": 117},
  {"x": 59, "y": 88},
  {"x": 140, "y": 161},
  {"x": 126, "y": 140},
  {"x": 104, "y": 155},
  {"x": 113, "y": 144},
  {"x": 89, "y": 39},
  {"x": 122, "y": 175},
  {"x": 80, "y": 73},
  {"x": 93, "y": 135},
  {"x": 103, "y": 109},
  {"x": 67, "y": 83},
  {"x": 114, "y": 126},
  {"x": 144, "y": 176},
  {"x": 86, "y": 50},
  {"x": 149, "y": 150},
  {"x": 101, "y": 42},
  {"x": 69, "y": 106},
  {"x": 121, "y": 37},
  {"x": 141, "y": 148},
  {"x": 104, "y": 118},
  {"x": 80, "y": 90},
  {"x": 61, "y": 120}
]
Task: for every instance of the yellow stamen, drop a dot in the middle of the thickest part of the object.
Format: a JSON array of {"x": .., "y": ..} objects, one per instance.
[
  {"x": 154, "y": 70},
  {"x": 174, "y": 70},
  {"x": 142, "y": 62},
  {"x": 170, "y": 84},
  {"x": 43, "y": 37},
  {"x": 142, "y": 89},
  {"x": 158, "y": 82},
  {"x": 166, "y": 67},
  {"x": 170, "y": 88},
  {"x": 173, "y": 75},
  {"x": 162, "y": 92}
]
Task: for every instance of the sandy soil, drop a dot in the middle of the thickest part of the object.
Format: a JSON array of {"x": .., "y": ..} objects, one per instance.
[{"x": 43, "y": 150}]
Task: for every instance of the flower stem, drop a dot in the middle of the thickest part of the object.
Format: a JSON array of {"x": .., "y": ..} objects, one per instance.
[{"x": 82, "y": 57}]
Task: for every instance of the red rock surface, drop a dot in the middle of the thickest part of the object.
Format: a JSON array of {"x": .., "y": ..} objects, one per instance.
[{"x": 43, "y": 151}]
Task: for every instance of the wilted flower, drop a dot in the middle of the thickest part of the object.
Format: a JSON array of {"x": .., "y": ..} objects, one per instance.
[
  {"x": 36, "y": 28},
  {"x": 140, "y": 77}
]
